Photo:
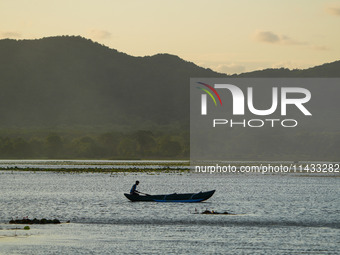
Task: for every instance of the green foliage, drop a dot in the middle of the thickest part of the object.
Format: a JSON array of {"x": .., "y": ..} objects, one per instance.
[
  {"x": 71, "y": 81},
  {"x": 168, "y": 147},
  {"x": 146, "y": 144},
  {"x": 127, "y": 147},
  {"x": 325, "y": 70},
  {"x": 54, "y": 146},
  {"x": 145, "y": 141},
  {"x": 73, "y": 145},
  {"x": 108, "y": 104}
]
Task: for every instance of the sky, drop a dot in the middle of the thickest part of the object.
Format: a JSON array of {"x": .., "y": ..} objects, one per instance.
[{"x": 229, "y": 36}]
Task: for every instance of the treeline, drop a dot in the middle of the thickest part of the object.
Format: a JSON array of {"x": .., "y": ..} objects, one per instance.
[
  {"x": 145, "y": 144},
  {"x": 113, "y": 145},
  {"x": 267, "y": 145}
]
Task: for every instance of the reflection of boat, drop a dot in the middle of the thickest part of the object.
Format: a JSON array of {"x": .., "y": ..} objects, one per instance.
[{"x": 183, "y": 198}]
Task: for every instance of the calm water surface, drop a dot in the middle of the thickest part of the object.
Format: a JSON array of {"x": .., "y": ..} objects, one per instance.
[{"x": 274, "y": 214}]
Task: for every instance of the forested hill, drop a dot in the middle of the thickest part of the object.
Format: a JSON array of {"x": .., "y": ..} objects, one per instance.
[
  {"x": 325, "y": 70},
  {"x": 72, "y": 81}
]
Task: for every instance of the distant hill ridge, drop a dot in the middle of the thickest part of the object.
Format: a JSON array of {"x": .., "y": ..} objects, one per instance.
[
  {"x": 325, "y": 70},
  {"x": 71, "y": 81}
]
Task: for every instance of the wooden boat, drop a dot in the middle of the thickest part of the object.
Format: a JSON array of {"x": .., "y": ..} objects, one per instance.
[{"x": 182, "y": 198}]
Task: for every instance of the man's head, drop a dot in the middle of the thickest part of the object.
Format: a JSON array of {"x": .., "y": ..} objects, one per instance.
[{"x": 137, "y": 182}]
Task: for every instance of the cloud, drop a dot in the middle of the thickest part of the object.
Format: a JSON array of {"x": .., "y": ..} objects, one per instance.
[
  {"x": 319, "y": 47},
  {"x": 227, "y": 67},
  {"x": 271, "y": 37},
  {"x": 10, "y": 34},
  {"x": 286, "y": 64},
  {"x": 230, "y": 68},
  {"x": 333, "y": 11},
  {"x": 97, "y": 34},
  {"x": 266, "y": 36}
]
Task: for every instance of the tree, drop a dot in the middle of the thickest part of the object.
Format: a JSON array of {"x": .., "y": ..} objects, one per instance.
[
  {"x": 146, "y": 142},
  {"x": 169, "y": 148},
  {"x": 127, "y": 148},
  {"x": 54, "y": 145}
]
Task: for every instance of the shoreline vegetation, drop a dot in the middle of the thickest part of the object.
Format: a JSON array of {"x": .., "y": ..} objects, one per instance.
[
  {"x": 168, "y": 144},
  {"x": 99, "y": 170},
  {"x": 95, "y": 166},
  {"x": 162, "y": 166}
]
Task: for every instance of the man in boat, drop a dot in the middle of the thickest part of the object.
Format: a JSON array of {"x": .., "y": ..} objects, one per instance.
[{"x": 134, "y": 190}]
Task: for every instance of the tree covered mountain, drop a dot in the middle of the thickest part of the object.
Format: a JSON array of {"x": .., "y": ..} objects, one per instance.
[
  {"x": 69, "y": 97},
  {"x": 72, "y": 81},
  {"x": 325, "y": 70}
]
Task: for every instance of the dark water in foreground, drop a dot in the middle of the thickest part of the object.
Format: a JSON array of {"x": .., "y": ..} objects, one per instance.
[{"x": 275, "y": 214}]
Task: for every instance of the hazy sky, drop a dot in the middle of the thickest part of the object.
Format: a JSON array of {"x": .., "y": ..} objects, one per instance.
[{"x": 224, "y": 35}]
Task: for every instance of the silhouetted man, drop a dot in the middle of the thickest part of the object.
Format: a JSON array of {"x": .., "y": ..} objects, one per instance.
[{"x": 134, "y": 190}]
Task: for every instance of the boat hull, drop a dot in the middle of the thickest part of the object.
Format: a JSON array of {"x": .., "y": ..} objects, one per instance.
[{"x": 179, "y": 198}]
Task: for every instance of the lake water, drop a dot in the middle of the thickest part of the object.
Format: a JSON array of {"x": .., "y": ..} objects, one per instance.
[{"x": 274, "y": 214}]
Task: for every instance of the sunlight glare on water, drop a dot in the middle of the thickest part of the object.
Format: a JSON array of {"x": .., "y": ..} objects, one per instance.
[{"x": 274, "y": 214}]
